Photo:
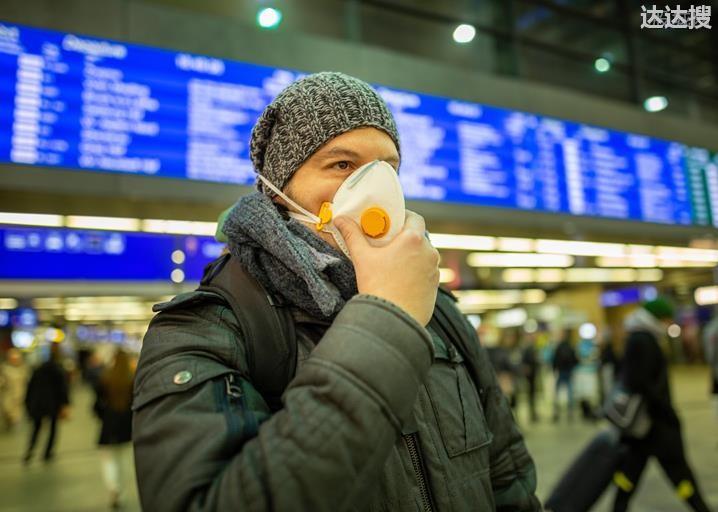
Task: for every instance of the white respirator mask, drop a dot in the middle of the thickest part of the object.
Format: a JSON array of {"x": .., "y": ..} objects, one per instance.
[{"x": 371, "y": 196}]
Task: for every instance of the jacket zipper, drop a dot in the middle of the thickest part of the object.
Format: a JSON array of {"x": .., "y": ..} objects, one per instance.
[{"x": 415, "y": 456}]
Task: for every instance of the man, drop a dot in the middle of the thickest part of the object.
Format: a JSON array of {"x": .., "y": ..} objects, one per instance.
[
  {"x": 381, "y": 413},
  {"x": 645, "y": 371},
  {"x": 47, "y": 398},
  {"x": 564, "y": 364}
]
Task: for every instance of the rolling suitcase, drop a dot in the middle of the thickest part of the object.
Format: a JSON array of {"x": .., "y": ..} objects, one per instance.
[{"x": 588, "y": 476}]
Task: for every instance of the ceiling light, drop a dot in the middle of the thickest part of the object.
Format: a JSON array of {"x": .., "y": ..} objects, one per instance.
[
  {"x": 8, "y": 303},
  {"x": 511, "y": 317},
  {"x": 179, "y": 227},
  {"x": 634, "y": 260},
  {"x": 446, "y": 275},
  {"x": 482, "y": 297},
  {"x": 31, "y": 219},
  {"x": 536, "y": 296},
  {"x": 636, "y": 249},
  {"x": 269, "y": 17},
  {"x": 474, "y": 320},
  {"x": 105, "y": 223},
  {"x": 515, "y": 244},
  {"x": 600, "y": 275},
  {"x": 464, "y": 33},
  {"x": 602, "y": 65},
  {"x": 587, "y": 331},
  {"x": 687, "y": 254},
  {"x": 579, "y": 248},
  {"x": 518, "y": 259},
  {"x": 706, "y": 295},
  {"x": 655, "y": 103},
  {"x": 462, "y": 242},
  {"x": 649, "y": 274},
  {"x": 550, "y": 275},
  {"x": 670, "y": 263},
  {"x": 518, "y": 275}
]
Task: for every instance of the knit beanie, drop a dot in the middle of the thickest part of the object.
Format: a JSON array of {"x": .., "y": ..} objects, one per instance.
[
  {"x": 660, "y": 308},
  {"x": 308, "y": 114}
]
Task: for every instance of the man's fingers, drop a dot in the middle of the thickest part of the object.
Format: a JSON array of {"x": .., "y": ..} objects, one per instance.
[
  {"x": 415, "y": 222},
  {"x": 352, "y": 234}
]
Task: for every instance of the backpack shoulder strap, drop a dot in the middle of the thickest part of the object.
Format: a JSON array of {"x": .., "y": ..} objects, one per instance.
[
  {"x": 449, "y": 320},
  {"x": 266, "y": 324}
]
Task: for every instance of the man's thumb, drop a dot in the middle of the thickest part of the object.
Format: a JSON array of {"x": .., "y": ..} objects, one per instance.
[{"x": 351, "y": 232}]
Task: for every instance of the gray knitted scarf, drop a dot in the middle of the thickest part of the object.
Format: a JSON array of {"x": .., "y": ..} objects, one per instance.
[{"x": 287, "y": 258}]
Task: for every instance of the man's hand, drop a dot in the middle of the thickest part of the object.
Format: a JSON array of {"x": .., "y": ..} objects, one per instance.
[{"x": 405, "y": 271}]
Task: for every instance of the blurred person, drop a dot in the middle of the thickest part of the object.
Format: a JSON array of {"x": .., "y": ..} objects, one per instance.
[
  {"x": 47, "y": 398},
  {"x": 93, "y": 369},
  {"x": 92, "y": 372},
  {"x": 530, "y": 365},
  {"x": 503, "y": 360},
  {"x": 710, "y": 342},
  {"x": 587, "y": 378},
  {"x": 13, "y": 382},
  {"x": 356, "y": 428},
  {"x": 113, "y": 406},
  {"x": 564, "y": 363},
  {"x": 645, "y": 371}
]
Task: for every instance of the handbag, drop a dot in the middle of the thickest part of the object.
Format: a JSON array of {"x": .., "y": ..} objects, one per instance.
[{"x": 628, "y": 412}]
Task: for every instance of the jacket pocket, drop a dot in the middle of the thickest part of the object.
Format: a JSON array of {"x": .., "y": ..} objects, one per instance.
[
  {"x": 456, "y": 405},
  {"x": 173, "y": 375}
]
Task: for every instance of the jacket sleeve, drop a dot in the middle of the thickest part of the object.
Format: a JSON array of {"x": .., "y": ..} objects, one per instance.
[
  {"x": 513, "y": 473},
  {"x": 214, "y": 446}
]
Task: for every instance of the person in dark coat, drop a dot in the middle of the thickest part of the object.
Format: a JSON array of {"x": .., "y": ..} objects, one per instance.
[
  {"x": 113, "y": 406},
  {"x": 564, "y": 363},
  {"x": 47, "y": 397},
  {"x": 531, "y": 366},
  {"x": 645, "y": 371}
]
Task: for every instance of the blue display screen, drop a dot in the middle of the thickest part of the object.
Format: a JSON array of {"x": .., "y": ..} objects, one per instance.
[
  {"x": 73, "y": 101},
  {"x": 630, "y": 295},
  {"x": 65, "y": 254}
]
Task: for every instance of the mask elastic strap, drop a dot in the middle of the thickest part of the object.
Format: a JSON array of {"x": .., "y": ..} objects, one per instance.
[{"x": 281, "y": 194}]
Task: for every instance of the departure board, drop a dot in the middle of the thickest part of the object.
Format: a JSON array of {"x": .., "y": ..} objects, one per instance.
[{"x": 71, "y": 101}]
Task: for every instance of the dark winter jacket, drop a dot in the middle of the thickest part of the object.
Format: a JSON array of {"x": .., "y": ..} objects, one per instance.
[
  {"x": 644, "y": 367},
  {"x": 382, "y": 415},
  {"x": 47, "y": 391}
]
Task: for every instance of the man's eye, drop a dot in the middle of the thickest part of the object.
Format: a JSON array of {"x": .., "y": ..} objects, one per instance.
[{"x": 343, "y": 165}]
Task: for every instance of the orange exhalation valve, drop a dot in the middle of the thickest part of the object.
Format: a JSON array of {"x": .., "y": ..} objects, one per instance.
[
  {"x": 325, "y": 215},
  {"x": 375, "y": 222}
]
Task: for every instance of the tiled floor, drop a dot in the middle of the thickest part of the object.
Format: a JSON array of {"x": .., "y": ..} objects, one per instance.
[{"x": 73, "y": 481}]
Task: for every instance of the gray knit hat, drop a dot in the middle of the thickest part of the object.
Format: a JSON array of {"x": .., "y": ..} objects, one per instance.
[{"x": 306, "y": 115}]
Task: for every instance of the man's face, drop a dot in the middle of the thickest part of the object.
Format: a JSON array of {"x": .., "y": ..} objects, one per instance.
[{"x": 318, "y": 179}]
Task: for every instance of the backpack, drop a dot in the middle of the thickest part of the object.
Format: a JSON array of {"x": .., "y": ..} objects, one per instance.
[{"x": 270, "y": 336}]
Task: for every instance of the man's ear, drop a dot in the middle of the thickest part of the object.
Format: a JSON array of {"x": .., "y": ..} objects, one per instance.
[
  {"x": 287, "y": 191},
  {"x": 280, "y": 200}
]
